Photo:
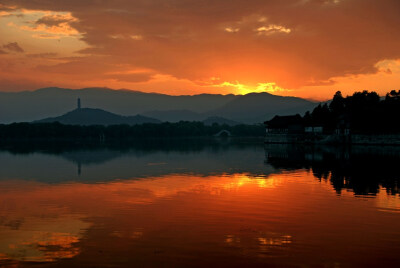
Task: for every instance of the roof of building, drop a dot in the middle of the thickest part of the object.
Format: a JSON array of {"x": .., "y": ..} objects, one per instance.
[{"x": 284, "y": 121}]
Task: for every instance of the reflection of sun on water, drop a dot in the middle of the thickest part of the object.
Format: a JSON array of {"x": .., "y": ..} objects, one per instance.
[
  {"x": 170, "y": 185},
  {"x": 232, "y": 239},
  {"x": 263, "y": 242},
  {"x": 48, "y": 238},
  {"x": 275, "y": 241},
  {"x": 256, "y": 215},
  {"x": 239, "y": 180}
]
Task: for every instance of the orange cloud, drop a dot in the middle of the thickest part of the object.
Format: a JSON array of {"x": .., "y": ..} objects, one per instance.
[
  {"x": 300, "y": 46},
  {"x": 50, "y": 25}
]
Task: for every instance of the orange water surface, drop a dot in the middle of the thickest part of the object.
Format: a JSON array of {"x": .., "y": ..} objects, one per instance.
[{"x": 284, "y": 218}]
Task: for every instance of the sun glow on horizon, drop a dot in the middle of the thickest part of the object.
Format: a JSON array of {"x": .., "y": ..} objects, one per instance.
[{"x": 243, "y": 89}]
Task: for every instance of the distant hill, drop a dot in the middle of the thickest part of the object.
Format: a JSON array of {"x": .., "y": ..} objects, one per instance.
[
  {"x": 51, "y": 102},
  {"x": 219, "y": 120},
  {"x": 88, "y": 116},
  {"x": 255, "y": 107},
  {"x": 175, "y": 115}
]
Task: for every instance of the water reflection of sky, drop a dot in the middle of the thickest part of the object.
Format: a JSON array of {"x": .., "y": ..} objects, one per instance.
[{"x": 267, "y": 216}]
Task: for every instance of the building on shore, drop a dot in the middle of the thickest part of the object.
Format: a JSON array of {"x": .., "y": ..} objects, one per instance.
[
  {"x": 293, "y": 129},
  {"x": 290, "y": 124}
]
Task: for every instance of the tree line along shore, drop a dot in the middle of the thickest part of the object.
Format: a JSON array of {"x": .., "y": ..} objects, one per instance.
[{"x": 47, "y": 131}]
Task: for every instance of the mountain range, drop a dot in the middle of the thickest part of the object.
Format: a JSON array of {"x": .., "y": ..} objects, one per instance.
[{"x": 28, "y": 106}]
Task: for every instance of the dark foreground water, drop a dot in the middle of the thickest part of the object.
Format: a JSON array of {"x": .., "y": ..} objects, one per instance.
[{"x": 199, "y": 203}]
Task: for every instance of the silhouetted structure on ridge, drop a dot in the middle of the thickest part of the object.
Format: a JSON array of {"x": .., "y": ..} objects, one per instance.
[{"x": 79, "y": 103}]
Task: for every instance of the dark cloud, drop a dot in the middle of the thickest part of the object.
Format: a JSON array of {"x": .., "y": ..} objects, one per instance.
[
  {"x": 388, "y": 71},
  {"x": 13, "y": 47},
  {"x": 132, "y": 77},
  {"x": 53, "y": 20},
  {"x": 42, "y": 55},
  {"x": 77, "y": 67},
  {"x": 7, "y": 7}
]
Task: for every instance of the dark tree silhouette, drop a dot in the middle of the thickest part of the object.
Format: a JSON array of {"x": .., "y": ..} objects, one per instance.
[
  {"x": 365, "y": 112},
  {"x": 49, "y": 131}
]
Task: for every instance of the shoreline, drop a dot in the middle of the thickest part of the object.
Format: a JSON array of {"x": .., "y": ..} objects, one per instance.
[{"x": 356, "y": 139}]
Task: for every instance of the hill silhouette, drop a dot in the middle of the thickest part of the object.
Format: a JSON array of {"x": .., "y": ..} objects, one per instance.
[
  {"x": 253, "y": 107},
  {"x": 175, "y": 115},
  {"x": 51, "y": 102},
  {"x": 219, "y": 120},
  {"x": 89, "y": 116}
]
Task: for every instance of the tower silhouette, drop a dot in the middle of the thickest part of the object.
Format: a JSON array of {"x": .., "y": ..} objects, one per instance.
[{"x": 79, "y": 103}]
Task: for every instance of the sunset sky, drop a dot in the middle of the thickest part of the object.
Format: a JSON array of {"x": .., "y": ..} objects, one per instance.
[{"x": 305, "y": 48}]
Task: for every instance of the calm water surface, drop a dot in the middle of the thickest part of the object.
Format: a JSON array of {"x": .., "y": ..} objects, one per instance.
[{"x": 199, "y": 204}]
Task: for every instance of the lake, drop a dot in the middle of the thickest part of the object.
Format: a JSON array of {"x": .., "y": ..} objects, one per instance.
[{"x": 199, "y": 203}]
